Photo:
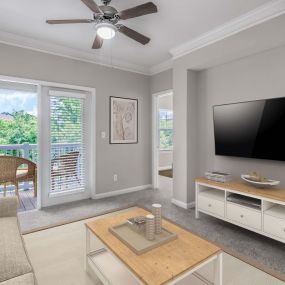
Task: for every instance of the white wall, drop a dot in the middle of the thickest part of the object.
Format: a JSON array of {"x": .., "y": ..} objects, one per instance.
[
  {"x": 131, "y": 162},
  {"x": 259, "y": 76},
  {"x": 161, "y": 82},
  {"x": 165, "y": 159}
]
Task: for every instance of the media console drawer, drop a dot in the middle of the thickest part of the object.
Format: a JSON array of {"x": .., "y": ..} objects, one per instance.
[
  {"x": 274, "y": 226},
  {"x": 262, "y": 211},
  {"x": 210, "y": 205},
  {"x": 243, "y": 215}
]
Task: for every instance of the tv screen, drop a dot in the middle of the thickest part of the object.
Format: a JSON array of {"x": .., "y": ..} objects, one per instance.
[{"x": 251, "y": 129}]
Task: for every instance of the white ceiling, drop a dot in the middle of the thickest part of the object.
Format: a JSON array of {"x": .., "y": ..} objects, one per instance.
[{"x": 177, "y": 22}]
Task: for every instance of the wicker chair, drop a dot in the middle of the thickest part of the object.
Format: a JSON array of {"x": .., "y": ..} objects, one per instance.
[
  {"x": 65, "y": 166},
  {"x": 11, "y": 174}
]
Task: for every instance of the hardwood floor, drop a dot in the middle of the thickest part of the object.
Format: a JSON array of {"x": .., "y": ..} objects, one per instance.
[
  {"x": 166, "y": 173},
  {"x": 27, "y": 200}
]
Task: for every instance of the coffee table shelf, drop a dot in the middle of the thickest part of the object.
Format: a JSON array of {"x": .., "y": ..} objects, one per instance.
[{"x": 109, "y": 270}]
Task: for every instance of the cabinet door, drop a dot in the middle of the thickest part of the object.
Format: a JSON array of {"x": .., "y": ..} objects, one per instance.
[
  {"x": 243, "y": 215},
  {"x": 274, "y": 226},
  {"x": 210, "y": 205}
]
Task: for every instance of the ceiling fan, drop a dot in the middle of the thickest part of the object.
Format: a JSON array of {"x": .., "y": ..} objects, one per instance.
[{"x": 106, "y": 19}]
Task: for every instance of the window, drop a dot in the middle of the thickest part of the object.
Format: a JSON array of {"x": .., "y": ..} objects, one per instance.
[
  {"x": 67, "y": 143},
  {"x": 166, "y": 129}
]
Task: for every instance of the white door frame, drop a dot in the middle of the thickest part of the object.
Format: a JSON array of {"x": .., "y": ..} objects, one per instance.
[
  {"x": 92, "y": 163},
  {"x": 155, "y": 135},
  {"x": 48, "y": 198}
]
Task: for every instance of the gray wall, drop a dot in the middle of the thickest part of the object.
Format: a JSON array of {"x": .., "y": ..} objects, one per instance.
[
  {"x": 191, "y": 161},
  {"x": 161, "y": 81},
  {"x": 256, "y": 77},
  {"x": 132, "y": 163},
  {"x": 192, "y": 130}
]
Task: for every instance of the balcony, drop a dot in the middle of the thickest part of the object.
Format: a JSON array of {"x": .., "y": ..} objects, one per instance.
[{"x": 30, "y": 152}]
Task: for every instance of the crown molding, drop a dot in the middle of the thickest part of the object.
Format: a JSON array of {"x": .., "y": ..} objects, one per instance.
[
  {"x": 257, "y": 16},
  {"x": 58, "y": 50},
  {"x": 163, "y": 66}
]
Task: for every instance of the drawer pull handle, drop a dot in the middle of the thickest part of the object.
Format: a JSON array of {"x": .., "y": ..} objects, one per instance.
[
  {"x": 210, "y": 205},
  {"x": 241, "y": 216}
]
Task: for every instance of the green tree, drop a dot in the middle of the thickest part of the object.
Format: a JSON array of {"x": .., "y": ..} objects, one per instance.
[
  {"x": 66, "y": 124},
  {"x": 66, "y": 120},
  {"x": 166, "y": 139},
  {"x": 21, "y": 129}
]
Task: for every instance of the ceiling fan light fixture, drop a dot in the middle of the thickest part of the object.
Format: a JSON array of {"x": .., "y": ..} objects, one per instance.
[
  {"x": 106, "y": 31},
  {"x": 105, "y": 21}
]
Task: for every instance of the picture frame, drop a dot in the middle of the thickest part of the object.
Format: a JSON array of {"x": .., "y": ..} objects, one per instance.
[{"x": 123, "y": 120}]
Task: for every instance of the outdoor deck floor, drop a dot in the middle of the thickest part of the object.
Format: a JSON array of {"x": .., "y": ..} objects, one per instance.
[{"x": 27, "y": 200}]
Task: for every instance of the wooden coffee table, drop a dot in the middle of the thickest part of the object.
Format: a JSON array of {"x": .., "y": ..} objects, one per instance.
[{"x": 116, "y": 263}]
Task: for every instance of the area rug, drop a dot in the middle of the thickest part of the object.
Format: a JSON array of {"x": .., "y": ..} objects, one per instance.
[
  {"x": 257, "y": 250},
  {"x": 57, "y": 254}
]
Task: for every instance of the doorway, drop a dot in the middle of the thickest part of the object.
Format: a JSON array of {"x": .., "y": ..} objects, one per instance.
[
  {"x": 163, "y": 140},
  {"x": 67, "y": 144}
]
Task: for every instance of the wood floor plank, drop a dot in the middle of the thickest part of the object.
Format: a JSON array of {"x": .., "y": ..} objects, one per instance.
[
  {"x": 27, "y": 200},
  {"x": 32, "y": 198}
]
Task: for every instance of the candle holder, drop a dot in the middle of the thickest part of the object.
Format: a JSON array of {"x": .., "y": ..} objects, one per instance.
[
  {"x": 156, "y": 211},
  {"x": 150, "y": 227}
]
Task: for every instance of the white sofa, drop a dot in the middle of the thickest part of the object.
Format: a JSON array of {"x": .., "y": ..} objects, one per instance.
[{"x": 15, "y": 266}]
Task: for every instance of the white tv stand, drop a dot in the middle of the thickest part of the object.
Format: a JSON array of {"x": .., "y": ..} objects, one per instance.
[{"x": 211, "y": 199}]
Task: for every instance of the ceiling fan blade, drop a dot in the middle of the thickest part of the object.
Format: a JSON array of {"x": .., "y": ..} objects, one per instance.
[
  {"x": 98, "y": 42},
  {"x": 133, "y": 34},
  {"x": 144, "y": 9},
  {"x": 70, "y": 21},
  {"x": 92, "y": 6}
]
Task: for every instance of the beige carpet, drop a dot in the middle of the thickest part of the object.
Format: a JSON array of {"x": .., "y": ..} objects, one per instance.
[{"x": 57, "y": 255}]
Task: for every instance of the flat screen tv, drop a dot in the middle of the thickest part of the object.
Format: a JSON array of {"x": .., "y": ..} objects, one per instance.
[{"x": 253, "y": 129}]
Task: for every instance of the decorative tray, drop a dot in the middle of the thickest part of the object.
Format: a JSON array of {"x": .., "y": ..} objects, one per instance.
[
  {"x": 137, "y": 241},
  {"x": 264, "y": 184}
]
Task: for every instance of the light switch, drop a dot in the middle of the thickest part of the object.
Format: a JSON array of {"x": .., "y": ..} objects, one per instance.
[{"x": 103, "y": 135}]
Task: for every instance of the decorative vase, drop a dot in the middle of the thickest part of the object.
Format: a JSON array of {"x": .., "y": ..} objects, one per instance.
[
  {"x": 150, "y": 227},
  {"x": 156, "y": 211}
]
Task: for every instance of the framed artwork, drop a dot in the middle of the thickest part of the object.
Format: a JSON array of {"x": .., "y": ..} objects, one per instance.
[{"x": 123, "y": 120}]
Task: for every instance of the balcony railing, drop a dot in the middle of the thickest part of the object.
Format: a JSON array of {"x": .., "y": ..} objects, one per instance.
[
  {"x": 26, "y": 150},
  {"x": 30, "y": 151}
]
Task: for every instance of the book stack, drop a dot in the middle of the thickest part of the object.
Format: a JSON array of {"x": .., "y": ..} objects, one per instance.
[{"x": 218, "y": 176}]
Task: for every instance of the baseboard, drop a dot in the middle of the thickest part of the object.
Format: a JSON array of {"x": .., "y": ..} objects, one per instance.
[
  {"x": 191, "y": 205},
  {"x": 165, "y": 167},
  {"x": 183, "y": 204},
  {"x": 122, "y": 191}
]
